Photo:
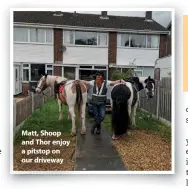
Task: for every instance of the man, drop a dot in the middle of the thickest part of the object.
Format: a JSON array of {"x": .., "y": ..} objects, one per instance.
[{"x": 98, "y": 100}]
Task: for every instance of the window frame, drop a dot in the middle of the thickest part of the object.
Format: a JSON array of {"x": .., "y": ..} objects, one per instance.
[
  {"x": 139, "y": 71},
  {"x": 74, "y": 33},
  {"x": 26, "y": 68},
  {"x": 146, "y": 38},
  {"x": 29, "y": 37},
  {"x": 29, "y": 68},
  {"x": 49, "y": 68}
]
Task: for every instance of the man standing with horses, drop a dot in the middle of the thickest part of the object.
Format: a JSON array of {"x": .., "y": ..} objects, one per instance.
[{"x": 98, "y": 101}]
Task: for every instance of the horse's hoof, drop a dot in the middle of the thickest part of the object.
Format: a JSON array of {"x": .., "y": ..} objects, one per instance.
[
  {"x": 83, "y": 133},
  {"x": 73, "y": 133}
]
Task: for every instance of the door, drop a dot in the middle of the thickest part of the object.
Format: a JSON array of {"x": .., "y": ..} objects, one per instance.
[{"x": 17, "y": 80}]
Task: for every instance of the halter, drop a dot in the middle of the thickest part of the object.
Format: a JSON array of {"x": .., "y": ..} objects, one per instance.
[{"x": 44, "y": 87}]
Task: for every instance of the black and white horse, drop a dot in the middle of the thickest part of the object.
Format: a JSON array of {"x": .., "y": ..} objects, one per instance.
[{"x": 125, "y": 98}]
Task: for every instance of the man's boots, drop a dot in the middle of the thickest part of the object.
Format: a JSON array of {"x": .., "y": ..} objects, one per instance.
[
  {"x": 93, "y": 128},
  {"x": 98, "y": 129}
]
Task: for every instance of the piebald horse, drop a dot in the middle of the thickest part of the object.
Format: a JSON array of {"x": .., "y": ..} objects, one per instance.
[
  {"x": 125, "y": 98},
  {"x": 68, "y": 92}
]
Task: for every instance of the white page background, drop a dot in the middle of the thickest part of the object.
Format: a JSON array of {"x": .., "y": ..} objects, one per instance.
[{"x": 93, "y": 181}]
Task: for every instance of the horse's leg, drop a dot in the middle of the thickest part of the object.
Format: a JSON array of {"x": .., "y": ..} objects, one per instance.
[
  {"x": 69, "y": 116},
  {"x": 60, "y": 109},
  {"x": 73, "y": 117},
  {"x": 134, "y": 114},
  {"x": 130, "y": 111},
  {"x": 83, "y": 110}
]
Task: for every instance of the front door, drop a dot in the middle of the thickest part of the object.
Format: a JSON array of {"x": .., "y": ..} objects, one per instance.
[{"x": 17, "y": 79}]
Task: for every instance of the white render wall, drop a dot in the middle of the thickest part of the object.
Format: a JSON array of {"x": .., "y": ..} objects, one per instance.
[
  {"x": 144, "y": 57},
  {"x": 86, "y": 55},
  {"x": 33, "y": 53}
]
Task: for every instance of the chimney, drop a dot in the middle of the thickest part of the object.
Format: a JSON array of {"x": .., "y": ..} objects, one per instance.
[
  {"x": 58, "y": 13},
  {"x": 104, "y": 15},
  {"x": 148, "y": 15}
]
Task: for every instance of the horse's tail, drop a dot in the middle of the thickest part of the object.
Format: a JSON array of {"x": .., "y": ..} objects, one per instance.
[
  {"x": 120, "y": 114},
  {"x": 79, "y": 98}
]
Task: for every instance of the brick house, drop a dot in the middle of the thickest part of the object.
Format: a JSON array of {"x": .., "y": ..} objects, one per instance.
[{"x": 76, "y": 45}]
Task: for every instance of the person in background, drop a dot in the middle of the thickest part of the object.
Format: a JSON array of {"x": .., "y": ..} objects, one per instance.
[{"x": 98, "y": 101}]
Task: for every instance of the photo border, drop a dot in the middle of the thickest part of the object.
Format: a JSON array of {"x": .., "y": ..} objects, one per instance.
[{"x": 172, "y": 171}]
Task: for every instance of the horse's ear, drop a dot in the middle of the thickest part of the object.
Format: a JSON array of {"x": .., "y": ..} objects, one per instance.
[
  {"x": 140, "y": 86},
  {"x": 135, "y": 79},
  {"x": 149, "y": 78},
  {"x": 46, "y": 75}
]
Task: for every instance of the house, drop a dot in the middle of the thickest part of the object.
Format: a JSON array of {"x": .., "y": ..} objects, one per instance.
[
  {"x": 76, "y": 45},
  {"x": 163, "y": 65}
]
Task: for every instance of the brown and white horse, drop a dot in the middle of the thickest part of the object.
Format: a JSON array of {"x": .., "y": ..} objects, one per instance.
[{"x": 73, "y": 93}]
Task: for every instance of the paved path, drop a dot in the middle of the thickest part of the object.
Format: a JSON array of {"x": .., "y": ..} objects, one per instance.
[{"x": 96, "y": 153}]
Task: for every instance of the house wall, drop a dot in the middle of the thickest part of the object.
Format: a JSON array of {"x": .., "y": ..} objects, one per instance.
[
  {"x": 165, "y": 65},
  {"x": 112, "y": 48},
  {"x": 33, "y": 53},
  {"x": 58, "y": 54},
  {"x": 144, "y": 57},
  {"x": 86, "y": 55},
  {"x": 163, "y": 46}
]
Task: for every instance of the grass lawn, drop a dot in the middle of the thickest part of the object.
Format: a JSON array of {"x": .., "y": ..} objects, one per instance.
[
  {"x": 46, "y": 118},
  {"x": 144, "y": 122},
  {"x": 148, "y": 148}
]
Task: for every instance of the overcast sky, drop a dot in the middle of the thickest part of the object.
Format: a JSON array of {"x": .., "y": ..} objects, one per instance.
[{"x": 162, "y": 17}]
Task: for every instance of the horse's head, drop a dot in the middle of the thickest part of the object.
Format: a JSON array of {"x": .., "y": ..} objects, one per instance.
[
  {"x": 42, "y": 84},
  {"x": 149, "y": 86}
]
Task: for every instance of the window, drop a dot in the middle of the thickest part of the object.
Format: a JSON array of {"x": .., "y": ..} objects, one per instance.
[
  {"x": 49, "y": 36},
  {"x": 152, "y": 41},
  {"x": 21, "y": 34},
  {"x": 85, "y": 38},
  {"x": 32, "y": 72},
  {"x": 68, "y": 37},
  {"x": 102, "y": 39},
  {"x": 25, "y": 72},
  {"x": 123, "y": 40},
  {"x": 69, "y": 72},
  {"x": 33, "y": 35},
  {"x": 36, "y": 71},
  {"x": 49, "y": 69},
  {"x": 138, "y": 41},
  {"x": 37, "y": 35},
  {"x": 138, "y": 73}
]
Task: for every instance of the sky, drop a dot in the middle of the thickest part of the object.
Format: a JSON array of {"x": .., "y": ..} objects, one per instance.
[{"x": 162, "y": 17}]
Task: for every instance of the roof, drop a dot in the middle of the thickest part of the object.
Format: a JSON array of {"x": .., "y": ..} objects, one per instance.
[
  {"x": 86, "y": 20},
  {"x": 169, "y": 26}
]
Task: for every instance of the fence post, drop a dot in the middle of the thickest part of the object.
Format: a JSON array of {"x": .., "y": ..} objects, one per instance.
[
  {"x": 14, "y": 113},
  {"x": 33, "y": 102},
  {"x": 158, "y": 98}
]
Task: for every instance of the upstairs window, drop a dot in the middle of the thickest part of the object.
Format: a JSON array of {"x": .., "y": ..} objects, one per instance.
[
  {"x": 33, "y": 35},
  {"x": 89, "y": 38},
  {"x": 152, "y": 41},
  {"x": 137, "y": 40},
  {"x": 21, "y": 34},
  {"x": 85, "y": 38}
]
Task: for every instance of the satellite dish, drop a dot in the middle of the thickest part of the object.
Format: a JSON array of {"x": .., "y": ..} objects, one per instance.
[{"x": 63, "y": 49}]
